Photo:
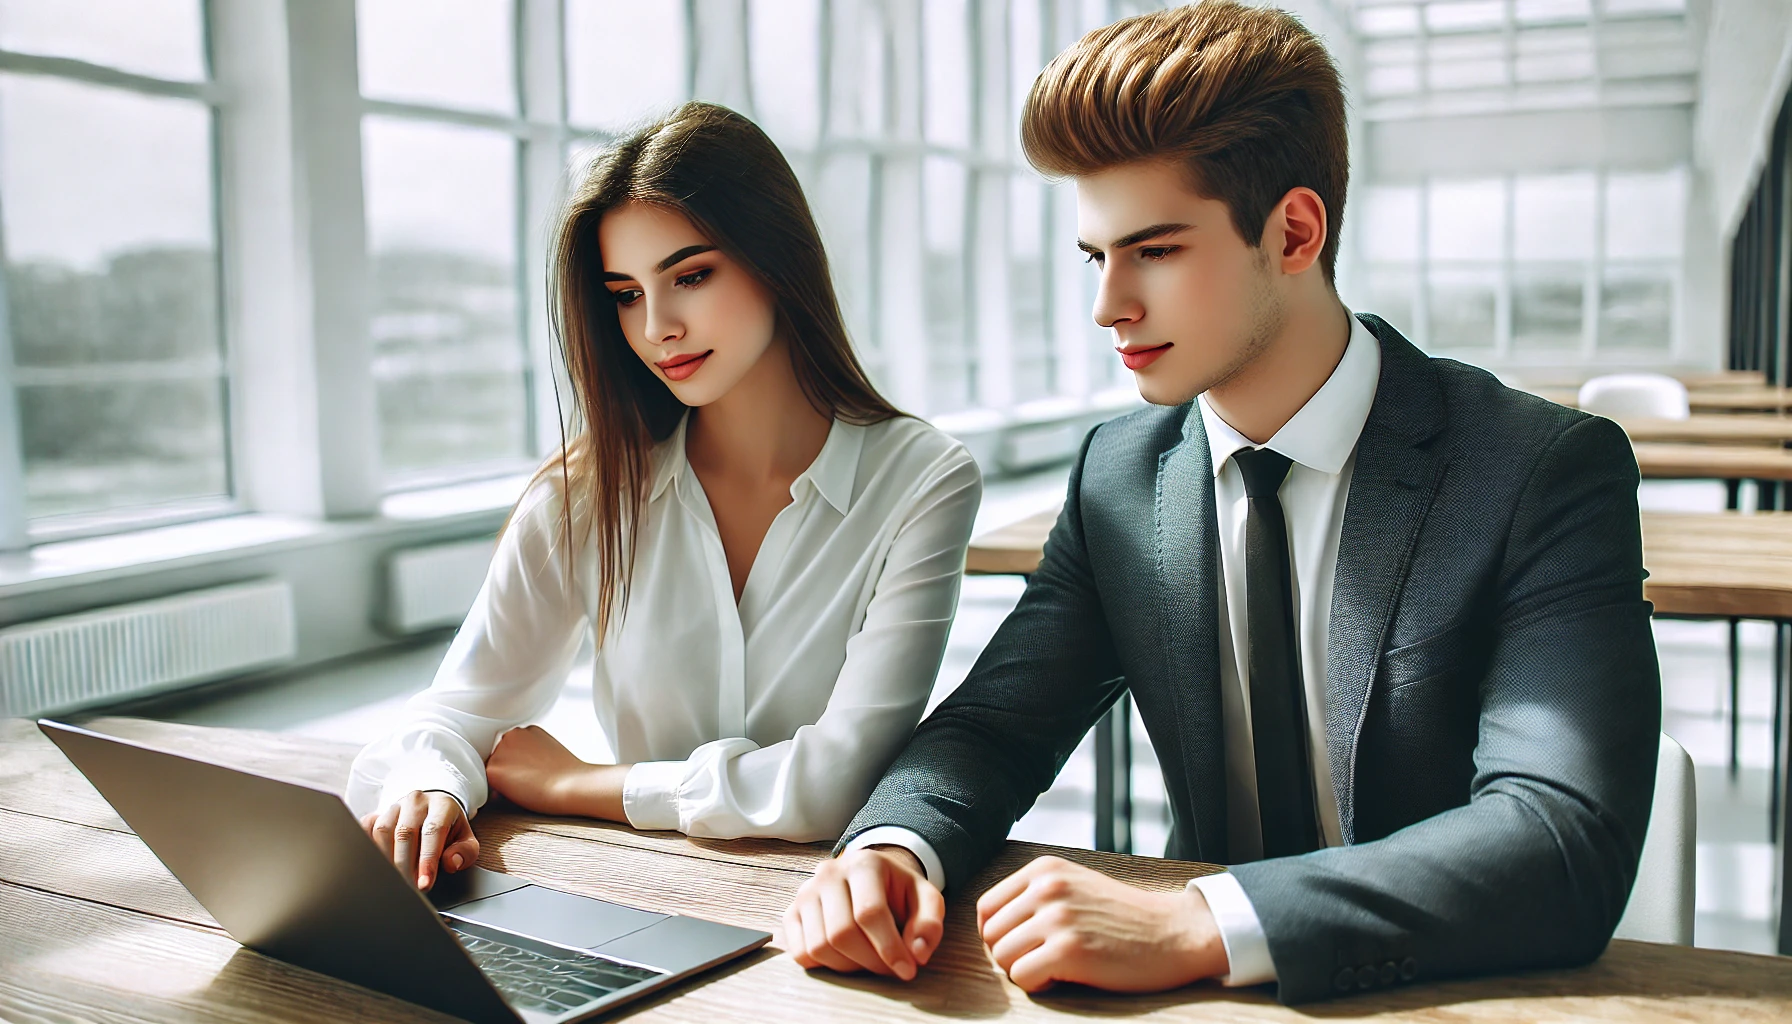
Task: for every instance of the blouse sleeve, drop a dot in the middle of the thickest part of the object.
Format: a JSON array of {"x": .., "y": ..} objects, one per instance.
[
  {"x": 506, "y": 665},
  {"x": 808, "y": 787}
]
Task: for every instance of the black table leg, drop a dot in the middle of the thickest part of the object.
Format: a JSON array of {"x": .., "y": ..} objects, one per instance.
[
  {"x": 1113, "y": 778},
  {"x": 1735, "y": 693}
]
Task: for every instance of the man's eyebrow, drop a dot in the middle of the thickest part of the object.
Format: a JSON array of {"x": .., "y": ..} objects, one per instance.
[{"x": 1141, "y": 235}]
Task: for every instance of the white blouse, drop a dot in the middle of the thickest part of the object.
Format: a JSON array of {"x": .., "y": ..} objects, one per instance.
[{"x": 773, "y": 718}]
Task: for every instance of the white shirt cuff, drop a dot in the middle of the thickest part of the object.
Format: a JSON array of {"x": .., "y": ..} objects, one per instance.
[
  {"x": 1247, "y": 950},
  {"x": 650, "y": 795},
  {"x": 896, "y": 835}
]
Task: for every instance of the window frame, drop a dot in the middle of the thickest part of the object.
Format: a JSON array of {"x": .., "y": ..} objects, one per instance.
[
  {"x": 18, "y": 529},
  {"x": 1509, "y": 269}
]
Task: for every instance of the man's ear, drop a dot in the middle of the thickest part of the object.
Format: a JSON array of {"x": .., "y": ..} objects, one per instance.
[{"x": 1296, "y": 231}]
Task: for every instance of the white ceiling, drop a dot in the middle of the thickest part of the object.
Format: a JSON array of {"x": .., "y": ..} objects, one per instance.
[{"x": 1431, "y": 58}]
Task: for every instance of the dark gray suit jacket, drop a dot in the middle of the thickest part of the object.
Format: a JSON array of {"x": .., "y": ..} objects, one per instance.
[{"x": 1492, "y": 693}]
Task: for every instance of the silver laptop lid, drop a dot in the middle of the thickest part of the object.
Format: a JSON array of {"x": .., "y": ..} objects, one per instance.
[{"x": 287, "y": 870}]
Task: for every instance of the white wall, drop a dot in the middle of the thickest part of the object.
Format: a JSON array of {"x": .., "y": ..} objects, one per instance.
[
  {"x": 1530, "y": 142},
  {"x": 1742, "y": 81}
]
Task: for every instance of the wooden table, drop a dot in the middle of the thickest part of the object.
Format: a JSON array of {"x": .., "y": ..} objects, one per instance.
[
  {"x": 92, "y": 927},
  {"x": 1708, "y": 428}
]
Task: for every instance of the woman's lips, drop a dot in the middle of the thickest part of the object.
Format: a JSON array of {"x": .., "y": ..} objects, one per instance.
[
  {"x": 680, "y": 367},
  {"x": 1141, "y": 358}
]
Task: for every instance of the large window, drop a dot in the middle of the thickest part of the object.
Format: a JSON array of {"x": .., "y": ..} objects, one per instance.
[
  {"x": 442, "y": 208},
  {"x": 111, "y": 290},
  {"x": 292, "y": 259},
  {"x": 1529, "y": 269}
]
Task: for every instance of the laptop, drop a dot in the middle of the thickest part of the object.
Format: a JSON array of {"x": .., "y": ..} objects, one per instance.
[{"x": 288, "y": 871}]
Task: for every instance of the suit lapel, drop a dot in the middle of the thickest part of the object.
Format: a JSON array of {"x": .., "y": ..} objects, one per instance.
[
  {"x": 1391, "y": 488},
  {"x": 1188, "y": 581}
]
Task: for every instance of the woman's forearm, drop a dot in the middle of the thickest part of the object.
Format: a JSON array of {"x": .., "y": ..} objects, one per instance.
[{"x": 596, "y": 792}]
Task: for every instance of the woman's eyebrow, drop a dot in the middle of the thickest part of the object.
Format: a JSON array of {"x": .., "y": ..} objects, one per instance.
[
  {"x": 681, "y": 255},
  {"x": 678, "y": 257}
]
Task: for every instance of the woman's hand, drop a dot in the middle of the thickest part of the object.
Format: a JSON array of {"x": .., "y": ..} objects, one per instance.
[
  {"x": 421, "y": 832},
  {"x": 533, "y": 769}
]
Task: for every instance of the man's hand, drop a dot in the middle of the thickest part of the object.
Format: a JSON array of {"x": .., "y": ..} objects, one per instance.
[
  {"x": 1057, "y": 921},
  {"x": 535, "y": 771},
  {"x": 421, "y": 832},
  {"x": 870, "y": 909}
]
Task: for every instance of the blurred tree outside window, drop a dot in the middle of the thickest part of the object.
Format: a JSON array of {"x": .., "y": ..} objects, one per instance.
[{"x": 109, "y": 225}]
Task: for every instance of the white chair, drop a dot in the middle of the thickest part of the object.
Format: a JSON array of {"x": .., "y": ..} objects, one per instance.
[
  {"x": 1635, "y": 394},
  {"x": 1661, "y": 905}
]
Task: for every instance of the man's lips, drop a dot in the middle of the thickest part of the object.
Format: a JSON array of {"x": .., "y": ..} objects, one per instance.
[
  {"x": 1139, "y": 358},
  {"x": 680, "y": 367}
]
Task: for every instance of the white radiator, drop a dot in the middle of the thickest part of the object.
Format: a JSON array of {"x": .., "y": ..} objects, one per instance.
[
  {"x": 114, "y": 652},
  {"x": 431, "y": 587}
]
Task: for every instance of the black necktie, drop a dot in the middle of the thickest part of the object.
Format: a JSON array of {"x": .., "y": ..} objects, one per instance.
[{"x": 1278, "y": 701}]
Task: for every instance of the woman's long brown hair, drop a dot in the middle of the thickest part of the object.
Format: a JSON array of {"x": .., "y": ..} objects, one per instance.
[{"x": 722, "y": 173}]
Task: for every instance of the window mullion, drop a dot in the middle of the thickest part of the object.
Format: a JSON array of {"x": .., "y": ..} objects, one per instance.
[
  {"x": 13, "y": 536},
  {"x": 542, "y": 59}
]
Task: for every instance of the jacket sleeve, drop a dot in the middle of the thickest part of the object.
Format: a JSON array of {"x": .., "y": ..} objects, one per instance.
[
  {"x": 1535, "y": 869},
  {"x": 987, "y": 752}
]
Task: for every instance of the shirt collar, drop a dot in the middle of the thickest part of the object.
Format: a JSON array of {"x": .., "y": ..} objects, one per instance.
[
  {"x": 1324, "y": 432},
  {"x": 833, "y": 473}
]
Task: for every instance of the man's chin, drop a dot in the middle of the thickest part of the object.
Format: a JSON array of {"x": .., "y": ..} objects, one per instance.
[{"x": 1160, "y": 390}]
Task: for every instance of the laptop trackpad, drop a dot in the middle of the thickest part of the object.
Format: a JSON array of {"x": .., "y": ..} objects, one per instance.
[{"x": 556, "y": 916}]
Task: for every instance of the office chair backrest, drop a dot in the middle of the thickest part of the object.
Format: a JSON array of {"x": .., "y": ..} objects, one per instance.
[
  {"x": 1661, "y": 905},
  {"x": 1635, "y": 394}
]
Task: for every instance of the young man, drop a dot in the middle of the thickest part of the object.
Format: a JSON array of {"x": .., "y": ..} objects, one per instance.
[{"x": 1382, "y": 616}]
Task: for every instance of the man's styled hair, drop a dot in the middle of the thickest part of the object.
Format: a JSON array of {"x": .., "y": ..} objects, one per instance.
[{"x": 1245, "y": 97}]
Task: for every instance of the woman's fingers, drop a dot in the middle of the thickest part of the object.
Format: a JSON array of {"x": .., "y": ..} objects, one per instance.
[
  {"x": 461, "y": 854},
  {"x": 442, "y": 818},
  {"x": 413, "y": 811},
  {"x": 384, "y": 823}
]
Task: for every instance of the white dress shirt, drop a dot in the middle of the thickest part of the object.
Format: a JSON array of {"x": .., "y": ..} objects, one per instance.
[
  {"x": 1321, "y": 440},
  {"x": 774, "y": 717}
]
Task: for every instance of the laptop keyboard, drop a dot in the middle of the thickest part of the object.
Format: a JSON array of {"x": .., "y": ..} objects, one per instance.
[{"x": 542, "y": 978}]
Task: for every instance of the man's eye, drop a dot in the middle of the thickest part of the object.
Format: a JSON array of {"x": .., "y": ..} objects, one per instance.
[
  {"x": 626, "y": 296},
  {"x": 1094, "y": 258},
  {"x": 1157, "y": 252}
]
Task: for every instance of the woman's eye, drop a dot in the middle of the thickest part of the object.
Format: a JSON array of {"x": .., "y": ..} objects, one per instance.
[
  {"x": 692, "y": 279},
  {"x": 626, "y": 296}
]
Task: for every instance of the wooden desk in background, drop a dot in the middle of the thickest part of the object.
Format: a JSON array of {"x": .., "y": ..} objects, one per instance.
[
  {"x": 1661, "y": 460},
  {"x": 1710, "y": 428},
  {"x": 1574, "y": 377},
  {"x": 1709, "y": 564},
  {"x": 1728, "y": 399},
  {"x": 93, "y": 927}
]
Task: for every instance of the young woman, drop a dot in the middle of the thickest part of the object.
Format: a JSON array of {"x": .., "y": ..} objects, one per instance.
[{"x": 767, "y": 552}]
